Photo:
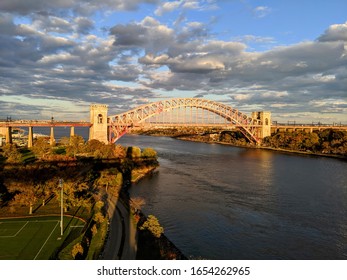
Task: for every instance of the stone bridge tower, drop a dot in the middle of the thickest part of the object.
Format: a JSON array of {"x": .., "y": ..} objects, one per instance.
[
  {"x": 265, "y": 118},
  {"x": 98, "y": 119}
]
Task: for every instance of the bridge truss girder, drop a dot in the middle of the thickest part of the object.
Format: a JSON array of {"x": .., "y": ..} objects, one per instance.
[{"x": 121, "y": 123}]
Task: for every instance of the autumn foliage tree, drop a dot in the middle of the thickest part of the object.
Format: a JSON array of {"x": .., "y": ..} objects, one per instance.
[
  {"x": 76, "y": 145},
  {"x": 11, "y": 153},
  {"x": 41, "y": 147},
  {"x": 149, "y": 153},
  {"x": 152, "y": 225},
  {"x": 24, "y": 193},
  {"x": 328, "y": 141},
  {"x": 77, "y": 249}
]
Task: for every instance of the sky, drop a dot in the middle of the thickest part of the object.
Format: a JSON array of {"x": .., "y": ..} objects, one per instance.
[{"x": 59, "y": 56}]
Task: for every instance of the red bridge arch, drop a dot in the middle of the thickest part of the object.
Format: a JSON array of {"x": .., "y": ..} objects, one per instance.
[{"x": 119, "y": 124}]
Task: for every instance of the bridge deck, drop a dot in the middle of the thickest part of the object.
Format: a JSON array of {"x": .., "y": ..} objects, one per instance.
[
  {"x": 226, "y": 125},
  {"x": 44, "y": 124}
]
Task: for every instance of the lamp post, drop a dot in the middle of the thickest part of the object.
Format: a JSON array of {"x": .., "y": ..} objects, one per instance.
[{"x": 61, "y": 205}]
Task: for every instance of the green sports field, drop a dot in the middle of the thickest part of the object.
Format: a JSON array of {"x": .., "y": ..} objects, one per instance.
[{"x": 35, "y": 238}]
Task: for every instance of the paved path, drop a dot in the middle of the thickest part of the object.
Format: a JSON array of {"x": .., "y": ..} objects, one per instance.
[{"x": 121, "y": 243}]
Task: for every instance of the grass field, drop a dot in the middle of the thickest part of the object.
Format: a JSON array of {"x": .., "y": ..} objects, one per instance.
[{"x": 35, "y": 238}]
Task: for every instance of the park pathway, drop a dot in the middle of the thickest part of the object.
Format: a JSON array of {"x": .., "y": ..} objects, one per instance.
[{"x": 121, "y": 243}]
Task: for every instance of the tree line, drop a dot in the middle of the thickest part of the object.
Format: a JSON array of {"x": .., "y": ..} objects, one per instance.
[
  {"x": 328, "y": 141},
  {"x": 30, "y": 176}
]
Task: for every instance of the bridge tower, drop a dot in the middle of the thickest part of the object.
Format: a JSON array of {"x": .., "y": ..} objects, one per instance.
[
  {"x": 265, "y": 119},
  {"x": 98, "y": 119}
]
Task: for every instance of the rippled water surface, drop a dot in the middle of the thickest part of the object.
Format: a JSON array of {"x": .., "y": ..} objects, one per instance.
[{"x": 222, "y": 202}]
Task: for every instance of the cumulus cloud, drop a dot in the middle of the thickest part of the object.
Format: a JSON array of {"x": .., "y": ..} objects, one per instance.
[
  {"x": 87, "y": 6},
  {"x": 55, "y": 50},
  {"x": 148, "y": 34},
  {"x": 336, "y": 32}
]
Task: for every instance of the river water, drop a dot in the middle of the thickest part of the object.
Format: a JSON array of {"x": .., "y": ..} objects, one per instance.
[{"x": 222, "y": 202}]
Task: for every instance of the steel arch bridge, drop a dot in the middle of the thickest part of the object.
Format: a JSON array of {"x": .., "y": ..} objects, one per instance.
[{"x": 121, "y": 123}]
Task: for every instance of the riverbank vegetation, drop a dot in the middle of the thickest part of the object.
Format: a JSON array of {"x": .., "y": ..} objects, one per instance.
[
  {"x": 152, "y": 243},
  {"x": 327, "y": 142},
  {"x": 89, "y": 172},
  {"x": 323, "y": 142}
]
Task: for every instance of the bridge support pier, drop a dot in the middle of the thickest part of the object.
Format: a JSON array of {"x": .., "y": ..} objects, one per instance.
[
  {"x": 51, "y": 138},
  {"x": 72, "y": 131},
  {"x": 30, "y": 137},
  {"x": 9, "y": 135}
]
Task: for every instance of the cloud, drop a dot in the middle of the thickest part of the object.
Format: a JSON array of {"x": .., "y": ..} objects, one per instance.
[
  {"x": 336, "y": 32},
  {"x": 88, "y": 6},
  {"x": 261, "y": 11},
  {"x": 197, "y": 65},
  {"x": 61, "y": 50},
  {"x": 253, "y": 38},
  {"x": 284, "y": 75},
  {"x": 167, "y": 7},
  {"x": 83, "y": 25},
  {"x": 149, "y": 35},
  {"x": 51, "y": 23}
]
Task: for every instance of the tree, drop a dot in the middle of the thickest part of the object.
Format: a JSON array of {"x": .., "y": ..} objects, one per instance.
[
  {"x": 93, "y": 145},
  {"x": 74, "y": 195},
  {"x": 12, "y": 154},
  {"x": 25, "y": 194},
  {"x": 76, "y": 145},
  {"x": 105, "y": 151},
  {"x": 41, "y": 147},
  {"x": 152, "y": 224},
  {"x": 120, "y": 151},
  {"x": 311, "y": 141},
  {"x": 133, "y": 152},
  {"x": 99, "y": 218},
  {"x": 137, "y": 202},
  {"x": 110, "y": 178},
  {"x": 77, "y": 249},
  {"x": 149, "y": 153},
  {"x": 65, "y": 141},
  {"x": 24, "y": 184}
]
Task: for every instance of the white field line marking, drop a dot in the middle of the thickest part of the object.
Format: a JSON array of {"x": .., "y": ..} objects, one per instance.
[
  {"x": 45, "y": 221},
  {"x": 8, "y": 236},
  {"x": 76, "y": 226},
  {"x": 20, "y": 229},
  {"x": 46, "y": 241}
]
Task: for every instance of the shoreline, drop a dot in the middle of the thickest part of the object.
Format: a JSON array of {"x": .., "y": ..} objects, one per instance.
[
  {"x": 286, "y": 151},
  {"x": 148, "y": 246}
]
